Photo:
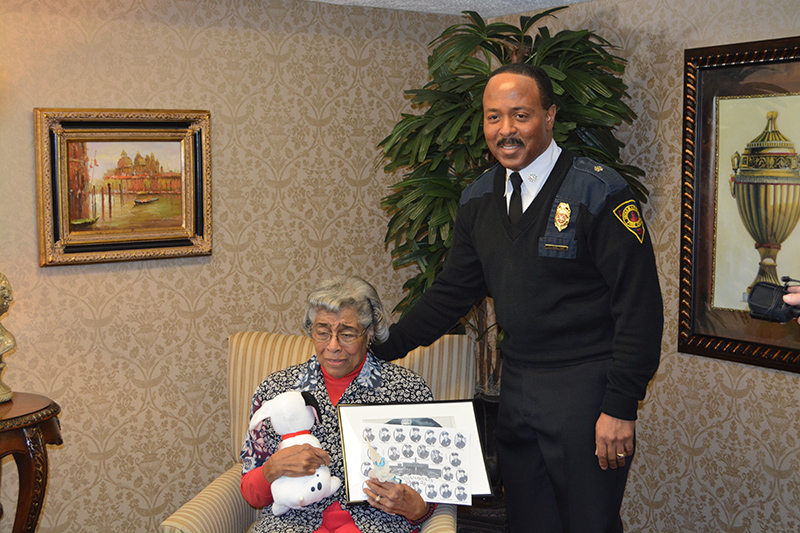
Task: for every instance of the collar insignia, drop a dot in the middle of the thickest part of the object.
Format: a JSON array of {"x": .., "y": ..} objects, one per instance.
[
  {"x": 628, "y": 214},
  {"x": 562, "y": 216}
]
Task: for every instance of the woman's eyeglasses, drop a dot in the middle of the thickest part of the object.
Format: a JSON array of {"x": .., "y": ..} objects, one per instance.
[{"x": 344, "y": 338}]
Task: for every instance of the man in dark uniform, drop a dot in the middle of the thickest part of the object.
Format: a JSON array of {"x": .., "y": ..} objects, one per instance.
[{"x": 559, "y": 242}]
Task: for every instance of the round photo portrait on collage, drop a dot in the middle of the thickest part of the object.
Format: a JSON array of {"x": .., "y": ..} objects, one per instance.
[
  {"x": 369, "y": 436},
  {"x": 430, "y": 491},
  {"x": 430, "y": 437},
  {"x": 408, "y": 452},
  {"x": 394, "y": 453},
  {"x": 436, "y": 456},
  {"x": 447, "y": 473},
  {"x": 422, "y": 451}
]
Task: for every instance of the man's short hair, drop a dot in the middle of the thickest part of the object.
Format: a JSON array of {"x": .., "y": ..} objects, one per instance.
[{"x": 532, "y": 71}]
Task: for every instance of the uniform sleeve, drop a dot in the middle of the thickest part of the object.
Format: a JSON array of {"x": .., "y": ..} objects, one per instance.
[
  {"x": 623, "y": 252},
  {"x": 450, "y": 297}
]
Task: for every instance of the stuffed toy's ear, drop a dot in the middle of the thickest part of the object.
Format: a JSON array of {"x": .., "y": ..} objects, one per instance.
[
  {"x": 261, "y": 414},
  {"x": 311, "y": 401}
]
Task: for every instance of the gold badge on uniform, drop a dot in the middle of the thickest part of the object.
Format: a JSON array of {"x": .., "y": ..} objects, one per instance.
[
  {"x": 562, "y": 216},
  {"x": 628, "y": 214}
]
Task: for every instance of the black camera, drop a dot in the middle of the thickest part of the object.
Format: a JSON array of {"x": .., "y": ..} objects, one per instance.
[{"x": 766, "y": 302}]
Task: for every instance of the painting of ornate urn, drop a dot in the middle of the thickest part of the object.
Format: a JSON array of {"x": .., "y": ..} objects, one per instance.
[{"x": 766, "y": 185}]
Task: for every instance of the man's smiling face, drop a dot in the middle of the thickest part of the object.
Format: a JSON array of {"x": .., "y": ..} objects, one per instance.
[{"x": 516, "y": 127}]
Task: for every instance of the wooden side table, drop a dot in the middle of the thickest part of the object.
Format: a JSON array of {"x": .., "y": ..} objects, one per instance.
[{"x": 27, "y": 423}]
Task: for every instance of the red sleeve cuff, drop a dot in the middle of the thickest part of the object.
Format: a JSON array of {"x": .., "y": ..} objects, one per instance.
[{"x": 256, "y": 489}]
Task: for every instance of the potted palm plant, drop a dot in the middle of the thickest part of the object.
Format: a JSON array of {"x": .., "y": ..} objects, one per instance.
[{"x": 442, "y": 149}]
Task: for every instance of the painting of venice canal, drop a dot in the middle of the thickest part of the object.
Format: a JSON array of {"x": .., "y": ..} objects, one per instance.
[{"x": 114, "y": 187}]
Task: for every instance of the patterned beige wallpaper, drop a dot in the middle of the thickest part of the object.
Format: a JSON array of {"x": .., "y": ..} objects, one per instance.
[{"x": 299, "y": 94}]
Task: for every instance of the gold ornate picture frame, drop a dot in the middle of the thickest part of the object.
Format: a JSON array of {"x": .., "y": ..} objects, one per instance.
[
  {"x": 740, "y": 183},
  {"x": 122, "y": 184}
]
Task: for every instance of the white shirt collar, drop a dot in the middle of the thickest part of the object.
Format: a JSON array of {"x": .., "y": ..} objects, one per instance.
[{"x": 535, "y": 174}]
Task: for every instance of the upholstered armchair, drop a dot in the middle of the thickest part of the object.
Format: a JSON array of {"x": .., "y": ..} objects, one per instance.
[{"x": 448, "y": 366}]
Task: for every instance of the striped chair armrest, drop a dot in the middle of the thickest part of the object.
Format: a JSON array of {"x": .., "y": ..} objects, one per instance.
[
  {"x": 443, "y": 520},
  {"x": 219, "y": 507}
]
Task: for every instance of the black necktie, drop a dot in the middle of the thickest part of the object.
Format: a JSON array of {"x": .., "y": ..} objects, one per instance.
[{"x": 515, "y": 207}]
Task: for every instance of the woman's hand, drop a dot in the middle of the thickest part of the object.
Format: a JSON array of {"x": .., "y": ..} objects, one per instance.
[
  {"x": 295, "y": 461},
  {"x": 396, "y": 498}
]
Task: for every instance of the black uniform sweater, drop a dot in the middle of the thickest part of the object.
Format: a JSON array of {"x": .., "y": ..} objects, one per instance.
[{"x": 585, "y": 292}]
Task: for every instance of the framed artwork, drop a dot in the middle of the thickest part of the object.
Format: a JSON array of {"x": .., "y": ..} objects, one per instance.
[
  {"x": 432, "y": 447},
  {"x": 740, "y": 198},
  {"x": 122, "y": 184}
]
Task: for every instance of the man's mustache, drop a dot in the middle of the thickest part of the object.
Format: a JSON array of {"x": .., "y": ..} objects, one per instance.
[{"x": 510, "y": 141}]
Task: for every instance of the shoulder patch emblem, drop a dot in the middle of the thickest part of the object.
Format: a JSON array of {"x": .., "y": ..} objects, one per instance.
[
  {"x": 562, "y": 216},
  {"x": 628, "y": 214}
]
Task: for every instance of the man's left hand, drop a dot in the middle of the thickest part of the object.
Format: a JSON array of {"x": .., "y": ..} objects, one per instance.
[{"x": 614, "y": 440}]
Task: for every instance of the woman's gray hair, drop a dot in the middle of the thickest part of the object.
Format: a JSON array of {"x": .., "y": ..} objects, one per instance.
[{"x": 344, "y": 291}]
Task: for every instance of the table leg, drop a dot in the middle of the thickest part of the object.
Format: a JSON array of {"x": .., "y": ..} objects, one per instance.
[{"x": 32, "y": 466}]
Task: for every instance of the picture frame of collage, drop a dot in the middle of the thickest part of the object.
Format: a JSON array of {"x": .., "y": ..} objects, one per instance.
[{"x": 432, "y": 447}]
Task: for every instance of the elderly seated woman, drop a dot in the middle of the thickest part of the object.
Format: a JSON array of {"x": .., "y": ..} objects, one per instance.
[{"x": 344, "y": 315}]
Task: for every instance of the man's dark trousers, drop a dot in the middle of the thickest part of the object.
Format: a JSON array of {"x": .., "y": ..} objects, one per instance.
[{"x": 546, "y": 449}]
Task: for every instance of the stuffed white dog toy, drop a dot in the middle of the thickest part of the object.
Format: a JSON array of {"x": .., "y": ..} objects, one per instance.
[{"x": 293, "y": 414}]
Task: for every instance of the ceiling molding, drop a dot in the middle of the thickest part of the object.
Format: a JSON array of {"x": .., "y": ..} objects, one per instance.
[{"x": 486, "y": 8}]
